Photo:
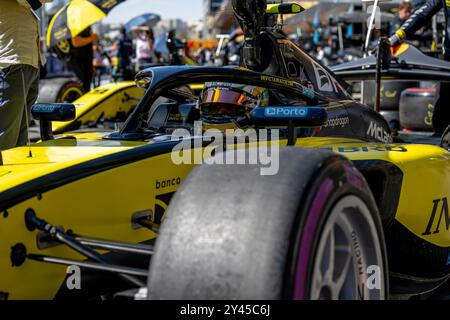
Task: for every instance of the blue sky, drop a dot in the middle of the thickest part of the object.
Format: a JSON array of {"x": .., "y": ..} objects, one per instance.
[{"x": 185, "y": 9}]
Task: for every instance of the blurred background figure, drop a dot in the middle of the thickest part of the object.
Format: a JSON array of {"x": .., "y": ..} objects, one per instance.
[
  {"x": 175, "y": 48},
  {"x": 122, "y": 55},
  {"x": 101, "y": 63},
  {"x": 404, "y": 12},
  {"x": 160, "y": 48},
  {"x": 204, "y": 56},
  {"x": 144, "y": 46},
  {"x": 418, "y": 3},
  {"x": 232, "y": 52},
  {"x": 82, "y": 56}
]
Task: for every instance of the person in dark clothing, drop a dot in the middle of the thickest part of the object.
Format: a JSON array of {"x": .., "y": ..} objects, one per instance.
[
  {"x": 441, "y": 117},
  {"x": 123, "y": 47},
  {"x": 82, "y": 55},
  {"x": 404, "y": 12},
  {"x": 418, "y": 3}
]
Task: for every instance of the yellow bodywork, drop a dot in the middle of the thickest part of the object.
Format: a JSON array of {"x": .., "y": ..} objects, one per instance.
[
  {"x": 102, "y": 204},
  {"x": 105, "y": 102}
]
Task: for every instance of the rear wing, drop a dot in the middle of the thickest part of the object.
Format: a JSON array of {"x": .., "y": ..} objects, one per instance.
[{"x": 406, "y": 63}]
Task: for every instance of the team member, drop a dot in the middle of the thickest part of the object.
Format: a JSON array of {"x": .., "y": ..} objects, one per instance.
[
  {"x": 123, "y": 48},
  {"x": 20, "y": 62},
  {"x": 404, "y": 13},
  {"x": 441, "y": 117},
  {"x": 82, "y": 56}
]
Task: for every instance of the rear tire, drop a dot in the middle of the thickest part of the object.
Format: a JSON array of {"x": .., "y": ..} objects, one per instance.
[
  {"x": 390, "y": 94},
  {"x": 445, "y": 143},
  {"x": 417, "y": 108},
  {"x": 231, "y": 233}
]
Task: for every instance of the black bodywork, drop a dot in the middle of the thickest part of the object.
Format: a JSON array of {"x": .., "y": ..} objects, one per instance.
[
  {"x": 403, "y": 65},
  {"x": 293, "y": 77}
]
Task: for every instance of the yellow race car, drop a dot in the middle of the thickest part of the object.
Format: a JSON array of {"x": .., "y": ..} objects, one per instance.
[{"x": 332, "y": 206}]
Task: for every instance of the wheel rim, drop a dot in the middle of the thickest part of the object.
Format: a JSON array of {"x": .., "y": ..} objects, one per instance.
[
  {"x": 71, "y": 95},
  {"x": 348, "y": 246}
]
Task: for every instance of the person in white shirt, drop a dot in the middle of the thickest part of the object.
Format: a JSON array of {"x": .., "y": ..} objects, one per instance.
[{"x": 144, "y": 46}]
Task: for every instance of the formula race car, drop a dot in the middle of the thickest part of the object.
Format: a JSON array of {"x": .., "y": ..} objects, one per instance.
[
  {"x": 335, "y": 207},
  {"x": 100, "y": 109},
  {"x": 405, "y": 101}
]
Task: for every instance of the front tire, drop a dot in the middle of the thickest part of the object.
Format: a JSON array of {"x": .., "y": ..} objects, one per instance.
[{"x": 231, "y": 233}]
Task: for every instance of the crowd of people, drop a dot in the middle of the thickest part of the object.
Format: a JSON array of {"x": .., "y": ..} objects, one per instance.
[
  {"x": 333, "y": 46},
  {"x": 131, "y": 51}
]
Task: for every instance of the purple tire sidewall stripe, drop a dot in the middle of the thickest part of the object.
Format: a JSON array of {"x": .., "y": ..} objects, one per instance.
[{"x": 307, "y": 238}]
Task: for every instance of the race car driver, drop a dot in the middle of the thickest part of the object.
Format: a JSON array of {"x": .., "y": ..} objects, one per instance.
[
  {"x": 228, "y": 105},
  {"x": 441, "y": 117}
]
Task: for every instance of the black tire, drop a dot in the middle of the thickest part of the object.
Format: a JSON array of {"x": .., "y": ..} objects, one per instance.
[
  {"x": 231, "y": 233},
  {"x": 390, "y": 94},
  {"x": 445, "y": 142},
  {"x": 417, "y": 107},
  {"x": 59, "y": 90},
  {"x": 392, "y": 118}
]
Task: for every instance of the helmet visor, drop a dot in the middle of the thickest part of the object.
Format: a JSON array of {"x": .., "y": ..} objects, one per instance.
[{"x": 222, "y": 101}]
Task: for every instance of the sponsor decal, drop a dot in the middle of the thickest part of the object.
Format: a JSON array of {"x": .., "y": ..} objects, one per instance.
[
  {"x": 429, "y": 118},
  {"x": 323, "y": 79},
  {"x": 108, "y": 4},
  {"x": 441, "y": 206},
  {"x": 390, "y": 94},
  {"x": 161, "y": 203},
  {"x": 370, "y": 276},
  {"x": 61, "y": 33},
  {"x": 279, "y": 80},
  {"x": 358, "y": 257},
  {"x": 282, "y": 112},
  {"x": 373, "y": 149},
  {"x": 162, "y": 200},
  {"x": 357, "y": 248},
  {"x": 337, "y": 122},
  {"x": 377, "y": 132},
  {"x": 64, "y": 46},
  {"x": 167, "y": 183},
  {"x": 47, "y": 108}
]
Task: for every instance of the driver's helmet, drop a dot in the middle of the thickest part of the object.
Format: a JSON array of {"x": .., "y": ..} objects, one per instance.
[{"x": 228, "y": 105}]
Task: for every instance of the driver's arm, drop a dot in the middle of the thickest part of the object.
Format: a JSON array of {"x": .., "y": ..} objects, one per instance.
[{"x": 417, "y": 20}]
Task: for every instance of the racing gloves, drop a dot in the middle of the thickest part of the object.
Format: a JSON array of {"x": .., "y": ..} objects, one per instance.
[{"x": 397, "y": 37}]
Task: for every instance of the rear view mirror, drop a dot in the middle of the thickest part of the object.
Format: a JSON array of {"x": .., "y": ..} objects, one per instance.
[
  {"x": 48, "y": 112},
  {"x": 284, "y": 8}
]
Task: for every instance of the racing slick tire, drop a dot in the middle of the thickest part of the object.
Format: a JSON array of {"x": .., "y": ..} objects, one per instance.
[
  {"x": 390, "y": 95},
  {"x": 445, "y": 142},
  {"x": 311, "y": 231},
  {"x": 417, "y": 108},
  {"x": 59, "y": 90}
]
